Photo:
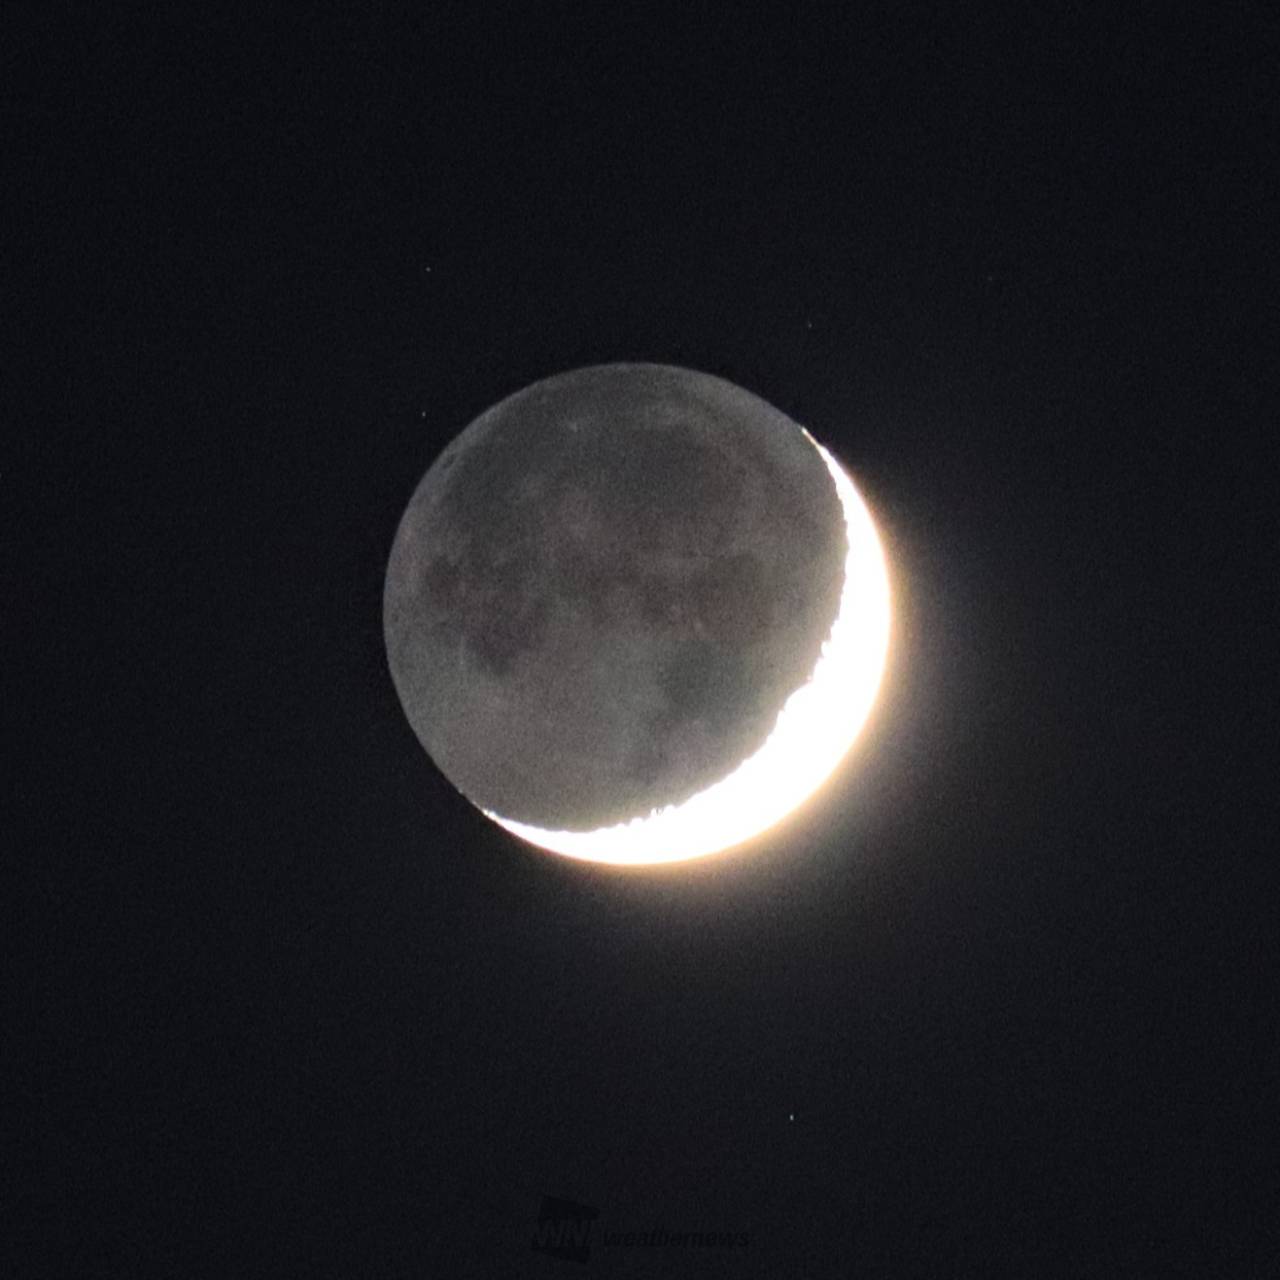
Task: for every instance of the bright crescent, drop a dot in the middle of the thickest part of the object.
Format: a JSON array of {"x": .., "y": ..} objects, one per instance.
[{"x": 814, "y": 731}]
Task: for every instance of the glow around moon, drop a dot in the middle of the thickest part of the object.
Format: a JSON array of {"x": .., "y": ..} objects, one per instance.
[{"x": 815, "y": 729}]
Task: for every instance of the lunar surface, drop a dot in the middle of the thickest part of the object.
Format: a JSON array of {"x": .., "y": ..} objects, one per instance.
[{"x": 635, "y": 613}]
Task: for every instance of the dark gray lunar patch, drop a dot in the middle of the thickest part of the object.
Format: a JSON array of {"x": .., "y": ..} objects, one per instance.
[{"x": 603, "y": 591}]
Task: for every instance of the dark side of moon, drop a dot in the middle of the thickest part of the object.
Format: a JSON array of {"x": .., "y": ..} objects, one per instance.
[{"x": 604, "y": 590}]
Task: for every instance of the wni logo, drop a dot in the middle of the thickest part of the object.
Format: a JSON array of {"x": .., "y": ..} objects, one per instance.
[{"x": 564, "y": 1229}]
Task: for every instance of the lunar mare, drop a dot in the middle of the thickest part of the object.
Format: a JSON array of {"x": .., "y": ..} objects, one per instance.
[
  {"x": 633, "y": 613},
  {"x": 815, "y": 730}
]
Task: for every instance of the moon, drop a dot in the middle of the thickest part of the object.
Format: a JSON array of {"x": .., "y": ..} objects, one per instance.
[{"x": 635, "y": 614}]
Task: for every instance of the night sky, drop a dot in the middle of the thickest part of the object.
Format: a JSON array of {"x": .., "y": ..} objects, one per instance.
[{"x": 996, "y": 1003}]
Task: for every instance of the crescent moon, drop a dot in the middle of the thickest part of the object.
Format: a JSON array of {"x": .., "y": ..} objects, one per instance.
[{"x": 814, "y": 731}]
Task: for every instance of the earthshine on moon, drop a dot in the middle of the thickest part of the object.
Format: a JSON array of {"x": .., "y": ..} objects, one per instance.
[{"x": 635, "y": 614}]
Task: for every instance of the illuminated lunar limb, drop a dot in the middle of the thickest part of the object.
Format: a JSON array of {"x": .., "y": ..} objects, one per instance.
[{"x": 816, "y": 728}]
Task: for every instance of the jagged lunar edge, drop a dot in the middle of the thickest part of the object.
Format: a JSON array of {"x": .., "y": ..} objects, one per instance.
[{"x": 814, "y": 730}]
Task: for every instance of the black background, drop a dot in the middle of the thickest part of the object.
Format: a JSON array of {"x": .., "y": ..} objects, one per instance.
[{"x": 286, "y": 1005}]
